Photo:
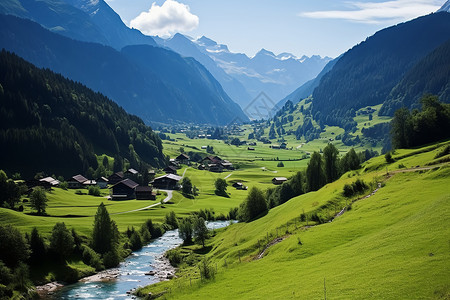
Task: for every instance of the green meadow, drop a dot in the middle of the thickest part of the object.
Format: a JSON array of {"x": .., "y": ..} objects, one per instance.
[{"x": 392, "y": 245}]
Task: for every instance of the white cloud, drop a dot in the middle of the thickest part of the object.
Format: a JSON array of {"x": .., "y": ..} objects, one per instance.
[
  {"x": 378, "y": 12},
  {"x": 164, "y": 20}
]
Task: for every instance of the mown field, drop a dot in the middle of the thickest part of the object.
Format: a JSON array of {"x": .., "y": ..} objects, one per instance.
[{"x": 392, "y": 245}]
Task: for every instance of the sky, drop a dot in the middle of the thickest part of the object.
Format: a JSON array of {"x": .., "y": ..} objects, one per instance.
[{"x": 301, "y": 27}]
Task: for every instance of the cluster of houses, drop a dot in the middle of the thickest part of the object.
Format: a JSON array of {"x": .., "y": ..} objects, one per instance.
[{"x": 215, "y": 164}]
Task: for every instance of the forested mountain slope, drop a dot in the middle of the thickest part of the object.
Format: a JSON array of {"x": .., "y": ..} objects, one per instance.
[
  {"x": 366, "y": 74},
  {"x": 56, "y": 125}
]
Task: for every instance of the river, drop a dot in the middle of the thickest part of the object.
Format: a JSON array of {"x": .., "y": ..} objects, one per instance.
[{"x": 131, "y": 272}]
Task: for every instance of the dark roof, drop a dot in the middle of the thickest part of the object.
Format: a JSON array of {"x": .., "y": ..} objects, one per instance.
[
  {"x": 132, "y": 171},
  {"x": 119, "y": 174},
  {"x": 171, "y": 168},
  {"x": 102, "y": 179},
  {"x": 78, "y": 178},
  {"x": 182, "y": 156},
  {"x": 142, "y": 188},
  {"x": 128, "y": 182}
]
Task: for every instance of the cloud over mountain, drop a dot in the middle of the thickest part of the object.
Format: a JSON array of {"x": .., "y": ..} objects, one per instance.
[
  {"x": 378, "y": 12},
  {"x": 164, "y": 20}
]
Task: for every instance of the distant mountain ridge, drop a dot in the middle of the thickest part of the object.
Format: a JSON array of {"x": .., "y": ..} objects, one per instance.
[
  {"x": 135, "y": 86},
  {"x": 84, "y": 20},
  {"x": 244, "y": 78}
]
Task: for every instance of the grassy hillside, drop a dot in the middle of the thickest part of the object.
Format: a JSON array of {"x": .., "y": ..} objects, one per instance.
[{"x": 392, "y": 245}]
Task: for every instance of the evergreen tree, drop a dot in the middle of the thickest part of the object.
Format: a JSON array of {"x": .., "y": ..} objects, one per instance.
[
  {"x": 186, "y": 187},
  {"x": 37, "y": 246},
  {"x": 331, "y": 163},
  {"x": 61, "y": 241},
  {"x": 102, "y": 235},
  {"x": 315, "y": 175},
  {"x": 253, "y": 206},
  {"x": 13, "y": 247}
]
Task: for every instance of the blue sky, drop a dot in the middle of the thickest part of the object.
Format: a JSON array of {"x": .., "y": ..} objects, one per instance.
[{"x": 301, "y": 27}]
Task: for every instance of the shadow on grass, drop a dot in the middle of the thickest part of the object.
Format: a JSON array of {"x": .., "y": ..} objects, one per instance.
[{"x": 203, "y": 250}]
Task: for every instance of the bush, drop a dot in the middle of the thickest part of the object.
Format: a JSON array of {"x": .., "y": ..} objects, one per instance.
[
  {"x": 207, "y": 271},
  {"x": 174, "y": 256},
  {"x": 135, "y": 241},
  {"x": 233, "y": 213},
  {"x": 92, "y": 258},
  {"x": 78, "y": 192},
  {"x": 64, "y": 185},
  {"x": 94, "y": 191},
  {"x": 388, "y": 157},
  {"x": 111, "y": 259},
  {"x": 186, "y": 230},
  {"x": 171, "y": 220},
  {"x": 280, "y": 164}
]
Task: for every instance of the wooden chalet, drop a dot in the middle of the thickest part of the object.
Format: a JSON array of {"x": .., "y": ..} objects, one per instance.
[
  {"x": 76, "y": 182},
  {"x": 116, "y": 178},
  {"x": 239, "y": 186},
  {"x": 48, "y": 182},
  {"x": 251, "y": 148},
  {"x": 168, "y": 182},
  {"x": 145, "y": 193},
  {"x": 183, "y": 159},
  {"x": 124, "y": 190},
  {"x": 89, "y": 183},
  {"x": 170, "y": 170},
  {"x": 102, "y": 182},
  {"x": 279, "y": 180}
]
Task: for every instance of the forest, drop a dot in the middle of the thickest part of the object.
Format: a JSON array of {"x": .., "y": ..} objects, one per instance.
[{"x": 56, "y": 125}]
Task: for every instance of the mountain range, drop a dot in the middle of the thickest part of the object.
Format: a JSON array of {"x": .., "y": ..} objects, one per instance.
[
  {"x": 243, "y": 77},
  {"x": 164, "y": 88}
]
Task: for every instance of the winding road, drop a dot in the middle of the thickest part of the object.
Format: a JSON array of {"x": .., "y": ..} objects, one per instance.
[{"x": 167, "y": 199}]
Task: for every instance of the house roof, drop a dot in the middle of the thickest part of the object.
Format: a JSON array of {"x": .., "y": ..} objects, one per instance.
[
  {"x": 50, "y": 180},
  {"x": 170, "y": 168},
  {"x": 132, "y": 171},
  {"x": 182, "y": 156},
  {"x": 119, "y": 174},
  {"x": 169, "y": 176},
  {"x": 127, "y": 182},
  {"x": 142, "y": 188},
  {"x": 280, "y": 178},
  {"x": 102, "y": 179},
  {"x": 90, "y": 182},
  {"x": 78, "y": 178}
]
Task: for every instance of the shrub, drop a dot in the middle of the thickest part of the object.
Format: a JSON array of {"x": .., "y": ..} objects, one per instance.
[
  {"x": 186, "y": 230},
  {"x": 174, "y": 256},
  {"x": 111, "y": 259},
  {"x": 78, "y": 192},
  {"x": 135, "y": 241},
  {"x": 388, "y": 157},
  {"x": 233, "y": 213},
  {"x": 207, "y": 271},
  {"x": 280, "y": 164},
  {"x": 94, "y": 191},
  {"x": 171, "y": 220},
  {"x": 92, "y": 258},
  {"x": 64, "y": 185}
]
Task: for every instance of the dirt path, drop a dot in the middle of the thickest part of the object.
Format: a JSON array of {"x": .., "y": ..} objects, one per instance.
[
  {"x": 226, "y": 177},
  {"x": 167, "y": 199}
]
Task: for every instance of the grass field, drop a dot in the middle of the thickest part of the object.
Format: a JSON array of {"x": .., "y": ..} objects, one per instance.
[{"x": 393, "y": 245}]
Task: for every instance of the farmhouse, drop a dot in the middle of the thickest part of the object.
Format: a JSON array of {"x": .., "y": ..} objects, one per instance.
[
  {"x": 279, "y": 180},
  {"x": 145, "y": 193},
  {"x": 102, "y": 182},
  {"x": 283, "y": 145},
  {"x": 124, "y": 190},
  {"x": 168, "y": 181},
  {"x": 48, "y": 182},
  {"x": 251, "y": 148},
  {"x": 183, "y": 159},
  {"x": 89, "y": 183},
  {"x": 170, "y": 170},
  {"x": 115, "y": 178},
  {"x": 76, "y": 182}
]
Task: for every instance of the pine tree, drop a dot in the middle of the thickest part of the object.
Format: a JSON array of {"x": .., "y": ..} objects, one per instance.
[{"x": 102, "y": 236}]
